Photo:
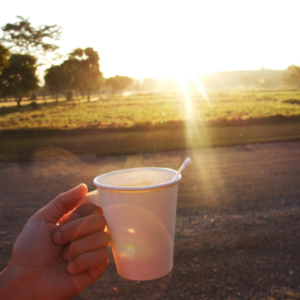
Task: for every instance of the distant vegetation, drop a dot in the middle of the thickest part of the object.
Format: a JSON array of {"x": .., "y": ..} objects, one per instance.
[
  {"x": 80, "y": 75},
  {"x": 227, "y": 80}
]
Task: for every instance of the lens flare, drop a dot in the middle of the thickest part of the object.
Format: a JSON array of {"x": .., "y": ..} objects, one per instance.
[
  {"x": 187, "y": 99},
  {"x": 201, "y": 89},
  {"x": 128, "y": 252},
  {"x": 197, "y": 134},
  {"x": 185, "y": 78}
]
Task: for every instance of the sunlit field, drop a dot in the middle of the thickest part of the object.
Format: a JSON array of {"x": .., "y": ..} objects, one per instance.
[
  {"x": 152, "y": 109},
  {"x": 147, "y": 123}
]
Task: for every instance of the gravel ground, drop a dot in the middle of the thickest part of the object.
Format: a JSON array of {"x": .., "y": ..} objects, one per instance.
[{"x": 237, "y": 228}]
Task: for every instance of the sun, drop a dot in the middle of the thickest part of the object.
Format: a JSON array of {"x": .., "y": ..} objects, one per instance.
[{"x": 186, "y": 74}]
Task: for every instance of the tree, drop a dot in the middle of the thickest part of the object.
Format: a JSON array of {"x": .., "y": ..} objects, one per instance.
[
  {"x": 84, "y": 64},
  {"x": 3, "y": 63},
  {"x": 72, "y": 69},
  {"x": 19, "y": 77},
  {"x": 291, "y": 76},
  {"x": 57, "y": 80},
  {"x": 80, "y": 72},
  {"x": 118, "y": 83},
  {"x": 23, "y": 38},
  {"x": 4, "y": 53}
]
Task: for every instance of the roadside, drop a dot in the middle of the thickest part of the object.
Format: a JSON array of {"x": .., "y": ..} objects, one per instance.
[
  {"x": 237, "y": 228},
  {"x": 24, "y": 145}
]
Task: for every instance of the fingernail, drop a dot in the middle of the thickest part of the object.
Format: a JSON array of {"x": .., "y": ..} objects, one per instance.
[
  {"x": 70, "y": 267},
  {"x": 57, "y": 237},
  {"x": 58, "y": 225},
  {"x": 74, "y": 216},
  {"x": 81, "y": 184}
]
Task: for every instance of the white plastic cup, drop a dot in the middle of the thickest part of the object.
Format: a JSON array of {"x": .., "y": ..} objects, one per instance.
[{"x": 139, "y": 206}]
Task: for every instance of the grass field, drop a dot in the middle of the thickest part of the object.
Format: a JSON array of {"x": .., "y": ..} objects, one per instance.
[
  {"x": 147, "y": 123},
  {"x": 141, "y": 110}
]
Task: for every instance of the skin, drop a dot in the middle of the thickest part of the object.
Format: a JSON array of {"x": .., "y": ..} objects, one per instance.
[{"x": 57, "y": 261}]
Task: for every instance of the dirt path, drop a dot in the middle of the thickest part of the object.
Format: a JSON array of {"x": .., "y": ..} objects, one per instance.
[{"x": 238, "y": 220}]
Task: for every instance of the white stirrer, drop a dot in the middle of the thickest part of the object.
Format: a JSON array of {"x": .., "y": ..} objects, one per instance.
[{"x": 185, "y": 163}]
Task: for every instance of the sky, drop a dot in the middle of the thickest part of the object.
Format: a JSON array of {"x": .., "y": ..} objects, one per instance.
[{"x": 169, "y": 39}]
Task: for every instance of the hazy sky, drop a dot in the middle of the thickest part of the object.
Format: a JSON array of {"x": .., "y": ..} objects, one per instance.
[{"x": 160, "y": 39}]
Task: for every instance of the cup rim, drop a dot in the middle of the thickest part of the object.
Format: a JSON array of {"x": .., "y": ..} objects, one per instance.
[{"x": 136, "y": 188}]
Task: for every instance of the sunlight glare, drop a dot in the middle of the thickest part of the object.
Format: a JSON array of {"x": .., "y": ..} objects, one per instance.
[
  {"x": 201, "y": 89},
  {"x": 188, "y": 105},
  {"x": 185, "y": 75}
]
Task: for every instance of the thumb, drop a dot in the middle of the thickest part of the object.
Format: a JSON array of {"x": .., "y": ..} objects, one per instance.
[{"x": 62, "y": 204}]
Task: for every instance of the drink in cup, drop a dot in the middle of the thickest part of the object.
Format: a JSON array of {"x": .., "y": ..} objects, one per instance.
[{"x": 139, "y": 206}]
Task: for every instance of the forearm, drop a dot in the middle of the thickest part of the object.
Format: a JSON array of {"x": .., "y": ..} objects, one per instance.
[{"x": 14, "y": 284}]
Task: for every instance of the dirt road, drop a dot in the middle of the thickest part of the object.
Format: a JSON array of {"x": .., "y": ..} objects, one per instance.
[{"x": 237, "y": 229}]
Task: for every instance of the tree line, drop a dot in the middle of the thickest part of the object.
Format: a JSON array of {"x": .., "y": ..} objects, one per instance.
[
  {"x": 26, "y": 50},
  {"x": 291, "y": 76}
]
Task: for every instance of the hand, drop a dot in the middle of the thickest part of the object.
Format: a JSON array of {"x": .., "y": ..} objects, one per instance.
[{"x": 51, "y": 261}]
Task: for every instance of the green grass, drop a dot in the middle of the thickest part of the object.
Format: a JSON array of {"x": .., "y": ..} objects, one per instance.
[
  {"x": 140, "y": 110},
  {"x": 147, "y": 123}
]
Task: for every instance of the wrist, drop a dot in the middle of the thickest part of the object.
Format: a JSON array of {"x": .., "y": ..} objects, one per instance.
[{"x": 14, "y": 284}]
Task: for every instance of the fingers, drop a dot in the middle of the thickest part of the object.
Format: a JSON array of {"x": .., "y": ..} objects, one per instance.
[
  {"x": 96, "y": 258},
  {"x": 88, "y": 209},
  {"x": 87, "y": 248},
  {"x": 88, "y": 243},
  {"x": 61, "y": 205},
  {"x": 65, "y": 218},
  {"x": 97, "y": 272},
  {"x": 85, "y": 210},
  {"x": 82, "y": 211},
  {"x": 79, "y": 228}
]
